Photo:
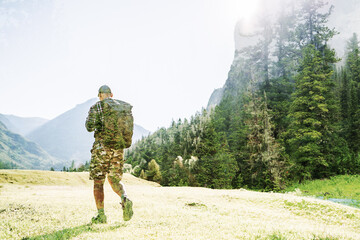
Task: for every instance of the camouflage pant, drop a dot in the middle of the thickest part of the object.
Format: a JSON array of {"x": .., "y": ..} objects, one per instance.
[{"x": 104, "y": 161}]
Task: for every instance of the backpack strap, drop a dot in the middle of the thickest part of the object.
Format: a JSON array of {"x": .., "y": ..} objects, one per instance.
[{"x": 100, "y": 111}]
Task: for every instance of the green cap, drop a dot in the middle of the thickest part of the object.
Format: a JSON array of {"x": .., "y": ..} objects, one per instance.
[{"x": 104, "y": 89}]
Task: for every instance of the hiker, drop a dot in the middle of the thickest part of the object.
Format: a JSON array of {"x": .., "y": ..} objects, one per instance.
[{"x": 112, "y": 122}]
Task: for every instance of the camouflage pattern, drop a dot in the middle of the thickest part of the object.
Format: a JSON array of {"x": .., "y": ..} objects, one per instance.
[
  {"x": 106, "y": 161},
  {"x": 94, "y": 121},
  {"x": 112, "y": 122},
  {"x": 118, "y": 123}
]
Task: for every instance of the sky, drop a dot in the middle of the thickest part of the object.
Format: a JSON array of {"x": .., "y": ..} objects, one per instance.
[{"x": 163, "y": 57}]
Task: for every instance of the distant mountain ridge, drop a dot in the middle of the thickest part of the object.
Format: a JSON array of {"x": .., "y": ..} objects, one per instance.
[{"x": 21, "y": 125}]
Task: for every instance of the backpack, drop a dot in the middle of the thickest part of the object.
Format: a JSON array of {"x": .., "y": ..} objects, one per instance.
[{"x": 118, "y": 123}]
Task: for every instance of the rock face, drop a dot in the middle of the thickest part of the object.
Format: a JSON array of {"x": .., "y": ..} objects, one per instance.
[
  {"x": 17, "y": 152},
  {"x": 245, "y": 35},
  {"x": 66, "y": 138},
  {"x": 237, "y": 80},
  {"x": 215, "y": 98}
]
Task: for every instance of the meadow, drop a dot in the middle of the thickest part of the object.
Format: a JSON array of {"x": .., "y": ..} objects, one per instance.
[
  {"x": 342, "y": 187},
  {"x": 59, "y": 205}
]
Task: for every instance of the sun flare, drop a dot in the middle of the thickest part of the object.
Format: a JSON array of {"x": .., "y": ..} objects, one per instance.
[{"x": 244, "y": 9}]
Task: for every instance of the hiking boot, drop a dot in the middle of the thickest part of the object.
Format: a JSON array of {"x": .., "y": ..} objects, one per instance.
[
  {"x": 127, "y": 208},
  {"x": 100, "y": 218}
]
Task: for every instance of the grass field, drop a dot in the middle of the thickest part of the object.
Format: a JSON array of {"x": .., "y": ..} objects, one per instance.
[
  {"x": 338, "y": 187},
  {"x": 57, "y": 205}
]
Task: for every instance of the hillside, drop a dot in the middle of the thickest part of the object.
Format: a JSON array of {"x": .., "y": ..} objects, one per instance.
[
  {"x": 17, "y": 152},
  {"x": 22, "y": 125},
  {"x": 66, "y": 138},
  {"x": 63, "y": 211}
]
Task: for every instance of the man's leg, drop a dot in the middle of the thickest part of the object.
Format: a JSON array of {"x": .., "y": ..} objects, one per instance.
[
  {"x": 119, "y": 189},
  {"x": 114, "y": 178},
  {"x": 117, "y": 186},
  {"x": 99, "y": 200},
  {"x": 116, "y": 172},
  {"x": 98, "y": 174},
  {"x": 99, "y": 193}
]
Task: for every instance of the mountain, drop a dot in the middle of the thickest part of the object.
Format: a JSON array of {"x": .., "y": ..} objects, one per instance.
[
  {"x": 344, "y": 19},
  {"x": 139, "y": 133},
  {"x": 17, "y": 152},
  {"x": 21, "y": 125},
  {"x": 66, "y": 138}
]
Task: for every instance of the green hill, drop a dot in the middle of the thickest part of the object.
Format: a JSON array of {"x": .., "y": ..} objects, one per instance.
[{"x": 17, "y": 152}]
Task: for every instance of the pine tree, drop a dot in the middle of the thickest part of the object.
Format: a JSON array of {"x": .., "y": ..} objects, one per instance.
[
  {"x": 311, "y": 130},
  {"x": 285, "y": 63},
  {"x": 153, "y": 173},
  {"x": 142, "y": 174},
  {"x": 285, "y": 52},
  {"x": 351, "y": 93},
  {"x": 87, "y": 166},
  {"x": 72, "y": 167},
  {"x": 312, "y": 28},
  {"x": 257, "y": 58},
  {"x": 352, "y": 61},
  {"x": 345, "y": 99},
  {"x": 266, "y": 165},
  {"x": 216, "y": 167}
]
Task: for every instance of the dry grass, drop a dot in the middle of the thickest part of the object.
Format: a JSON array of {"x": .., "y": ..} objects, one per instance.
[{"x": 64, "y": 212}]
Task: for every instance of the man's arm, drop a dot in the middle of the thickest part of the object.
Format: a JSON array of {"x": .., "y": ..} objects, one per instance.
[{"x": 91, "y": 119}]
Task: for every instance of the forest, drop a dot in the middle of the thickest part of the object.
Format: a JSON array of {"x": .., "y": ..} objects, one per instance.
[{"x": 289, "y": 113}]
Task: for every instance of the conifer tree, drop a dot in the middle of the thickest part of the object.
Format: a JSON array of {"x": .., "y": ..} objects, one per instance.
[
  {"x": 142, "y": 174},
  {"x": 257, "y": 58},
  {"x": 311, "y": 27},
  {"x": 285, "y": 51},
  {"x": 266, "y": 166},
  {"x": 216, "y": 167},
  {"x": 345, "y": 99},
  {"x": 353, "y": 58},
  {"x": 311, "y": 130},
  {"x": 153, "y": 173},
  {"x": 351, "y": 93}
]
